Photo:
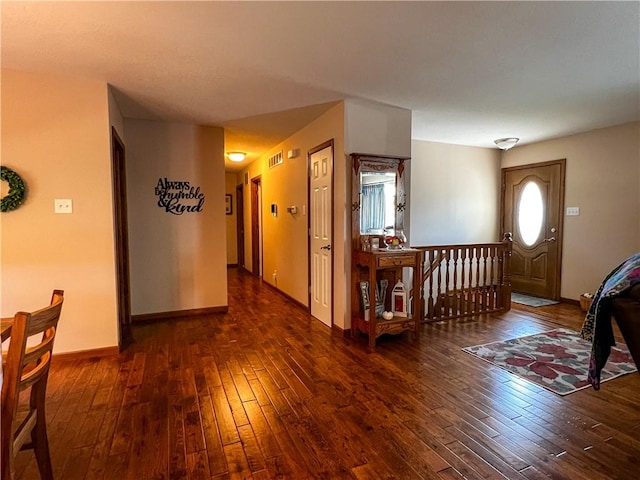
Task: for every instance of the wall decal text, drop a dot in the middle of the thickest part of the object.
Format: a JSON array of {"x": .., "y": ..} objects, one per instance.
[{"x": 179, "y": 197}]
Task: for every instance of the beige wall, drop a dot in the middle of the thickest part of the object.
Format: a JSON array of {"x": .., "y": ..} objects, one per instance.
[
  {"x": 603, "y": 180},
  {"x": 455, "y": 194},
  {"x": 232, "y": 229},
  {"x": 115, "y": 117},
  {"x": 377, "y": 129},
  {"x": 178, "y": 262},
  {"x": 56, "y": 135},
  {"x": 285, "y": 237}
]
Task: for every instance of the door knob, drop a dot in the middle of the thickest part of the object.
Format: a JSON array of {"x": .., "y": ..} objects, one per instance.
[
  {"x": 326, "y": 247},
  {"x": 550, "y": 239}
]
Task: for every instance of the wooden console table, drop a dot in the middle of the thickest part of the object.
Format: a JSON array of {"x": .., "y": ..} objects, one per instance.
[{"x": 371, "y": 266}]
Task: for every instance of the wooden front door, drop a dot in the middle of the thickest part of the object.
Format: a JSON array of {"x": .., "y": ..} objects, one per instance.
[
  {"x": 321, "y": 230},
  {"x": 532, "y": 206}
]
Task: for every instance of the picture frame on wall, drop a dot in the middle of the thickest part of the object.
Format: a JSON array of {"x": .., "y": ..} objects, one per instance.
[{"x": 228, "y": 204}]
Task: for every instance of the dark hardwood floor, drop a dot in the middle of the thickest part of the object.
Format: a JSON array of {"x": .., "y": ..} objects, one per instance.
[{"x": 266, "y": 392}]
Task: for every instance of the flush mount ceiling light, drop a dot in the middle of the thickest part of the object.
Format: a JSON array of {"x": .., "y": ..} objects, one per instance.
[
  {"x": 506, "y": 143},
  {"x": 236, "y": 156}
]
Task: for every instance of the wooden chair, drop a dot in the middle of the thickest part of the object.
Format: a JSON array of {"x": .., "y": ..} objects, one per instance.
[{"x": 28, "y": 367}]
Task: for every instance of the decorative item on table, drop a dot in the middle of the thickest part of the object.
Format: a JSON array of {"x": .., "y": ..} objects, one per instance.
[
  {"x": 381, "y": 295},
  {"x": 364, "y": 294},
  {"x": 399, "y": 300},
  {"x": 387, "y": 315},
  {"x": 585, "y": 301},
  {"x": 394, "y": 238}
]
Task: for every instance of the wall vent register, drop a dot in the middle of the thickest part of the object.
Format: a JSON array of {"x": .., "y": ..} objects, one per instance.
[{"x": 276, "y": 160}]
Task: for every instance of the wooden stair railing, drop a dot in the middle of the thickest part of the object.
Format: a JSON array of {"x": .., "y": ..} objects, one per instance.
[{"x": 465, "y": 280}]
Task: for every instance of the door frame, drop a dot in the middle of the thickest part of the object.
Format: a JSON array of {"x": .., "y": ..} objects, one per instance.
[
  {"x": 562, "y": 162},
  {"x": 240, "y": 225},
  {"x": 322, "y": 146},
  {"x": 121, "y": 240},
  {"x": 256, "y": 257}
]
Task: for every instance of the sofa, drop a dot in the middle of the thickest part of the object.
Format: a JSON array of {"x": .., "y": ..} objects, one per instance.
[{"x": 625, "y": 309}]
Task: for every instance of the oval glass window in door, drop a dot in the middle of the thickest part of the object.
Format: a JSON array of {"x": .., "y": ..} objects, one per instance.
[{"x": 530, "y": 213}]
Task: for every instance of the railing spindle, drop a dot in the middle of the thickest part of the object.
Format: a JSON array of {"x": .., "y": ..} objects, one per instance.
[
  {"x": 455, "y": 290},
  {"x": 492, "y": 285},
  {"x": 465, "y": 280},
  {"x": 464, "y": 310}
]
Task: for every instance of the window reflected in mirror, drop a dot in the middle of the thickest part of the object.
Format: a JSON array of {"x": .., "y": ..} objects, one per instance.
[{"x": 378, "y": 202}]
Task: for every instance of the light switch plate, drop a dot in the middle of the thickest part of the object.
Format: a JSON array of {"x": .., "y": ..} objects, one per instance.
[
  {"x": 572, "y": 211},
  {"x": 63, "y": 205}
]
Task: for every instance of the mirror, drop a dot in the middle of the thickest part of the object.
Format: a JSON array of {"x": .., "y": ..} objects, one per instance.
[
  {"x": 377, "y": 202},
  {"x": 378, "y": 198}
]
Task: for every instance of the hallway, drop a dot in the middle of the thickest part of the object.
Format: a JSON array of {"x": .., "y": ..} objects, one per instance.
[{"x": 266, "y": 392}]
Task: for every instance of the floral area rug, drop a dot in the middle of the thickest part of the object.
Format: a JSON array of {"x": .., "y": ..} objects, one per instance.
[{"x": 557, "y": 360}]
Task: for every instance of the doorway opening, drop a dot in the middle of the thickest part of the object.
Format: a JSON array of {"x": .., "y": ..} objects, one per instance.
[
  {"x": 240, "y": 224},
  {"x": 256, "y": 226},
  {"x": 119, "y": 183}
]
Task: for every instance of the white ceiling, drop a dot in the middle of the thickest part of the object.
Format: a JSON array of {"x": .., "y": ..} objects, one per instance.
[{"x": 471, "y": 72}]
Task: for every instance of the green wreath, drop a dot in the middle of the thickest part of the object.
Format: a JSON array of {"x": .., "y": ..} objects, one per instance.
[{"x": 17, "y": 190}]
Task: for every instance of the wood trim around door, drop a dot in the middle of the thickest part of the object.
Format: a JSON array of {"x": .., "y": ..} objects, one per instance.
[{"x": 121, "y": 233}]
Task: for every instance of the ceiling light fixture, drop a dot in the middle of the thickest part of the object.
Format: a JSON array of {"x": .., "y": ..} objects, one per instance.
[
  {"x": 236, "y": 156},
  {"x": 506, "y": 143}
]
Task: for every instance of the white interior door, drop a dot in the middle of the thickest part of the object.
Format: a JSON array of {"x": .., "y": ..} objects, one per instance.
[{"x": 321, "y": 187}]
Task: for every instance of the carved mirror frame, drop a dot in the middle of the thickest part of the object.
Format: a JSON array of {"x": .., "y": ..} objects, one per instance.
[{"x": 364, "y": 162}]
